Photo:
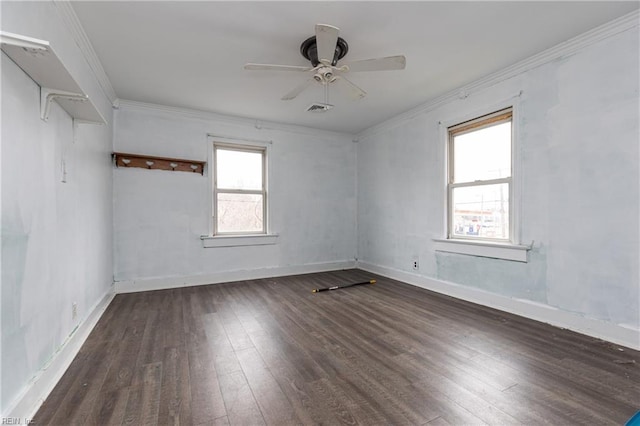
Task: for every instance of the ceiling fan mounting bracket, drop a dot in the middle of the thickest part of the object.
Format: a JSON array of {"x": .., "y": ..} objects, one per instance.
[{"x": 309, "y": 50}]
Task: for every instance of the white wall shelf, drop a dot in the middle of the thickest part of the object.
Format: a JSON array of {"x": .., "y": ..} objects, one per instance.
[{"x": 36, "y": 58}]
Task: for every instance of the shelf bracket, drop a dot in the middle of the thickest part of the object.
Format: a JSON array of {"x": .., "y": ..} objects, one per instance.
[
  {"x": 48, "y": 95},
  {"x": 39, "y": 61}
]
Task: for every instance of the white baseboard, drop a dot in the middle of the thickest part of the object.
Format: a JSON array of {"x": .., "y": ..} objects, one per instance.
[
  {"x": 148, "y": 284},
  {"x": 38, "y": 389},
  {"x": 616, "y": 333}
]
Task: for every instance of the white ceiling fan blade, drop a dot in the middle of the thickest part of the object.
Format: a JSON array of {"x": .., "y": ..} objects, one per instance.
[
  {"x": 380, "y": 64},
  {"x": 270, "y": 67},
  {"x": 297, "y": 90},
  {"x": 326, "y": 41},
  {"x": 354, "y": 91}
]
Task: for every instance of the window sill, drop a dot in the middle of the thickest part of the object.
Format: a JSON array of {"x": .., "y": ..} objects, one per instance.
[
  {"x": 515, "y": 252},
  {"x": 238, "y": 240}
]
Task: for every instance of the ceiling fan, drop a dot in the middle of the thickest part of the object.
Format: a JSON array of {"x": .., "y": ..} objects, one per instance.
[{"x": 324, "y": 50}]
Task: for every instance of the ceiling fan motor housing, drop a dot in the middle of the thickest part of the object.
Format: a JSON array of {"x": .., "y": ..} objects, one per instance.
[{"x": 309, "y": 50}]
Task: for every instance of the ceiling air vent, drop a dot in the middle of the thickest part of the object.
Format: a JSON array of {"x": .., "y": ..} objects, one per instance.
[{"x": 318, "y": 107}]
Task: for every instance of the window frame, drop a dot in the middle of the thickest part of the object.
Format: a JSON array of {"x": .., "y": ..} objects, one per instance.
[
  {"x": 478, "y": 122},
  {"x": 242, "y": 147}
]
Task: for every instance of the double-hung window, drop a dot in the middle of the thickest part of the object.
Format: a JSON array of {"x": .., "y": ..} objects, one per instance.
[
  {"x": 480, "y": 179},
  {"x": 239, "y": 189}
]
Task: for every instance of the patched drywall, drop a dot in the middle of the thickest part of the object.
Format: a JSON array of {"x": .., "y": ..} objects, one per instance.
[
  {"x": 161, "y": 215},
  {"x": 499, "y": 276},
  {"x": 56, "y": 237},
  {"x": 577, "y": 136}
]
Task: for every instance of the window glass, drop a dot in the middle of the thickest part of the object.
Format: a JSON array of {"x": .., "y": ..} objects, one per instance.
[
  {"x": 482, "y": 154},
  {"x": 481, "y": 211},
  {"x": 239, "y": 169},
  {"x": 239, "y": 213},
  {"x": 239, "y": 190},
  {"x": 479, "y": 185}
]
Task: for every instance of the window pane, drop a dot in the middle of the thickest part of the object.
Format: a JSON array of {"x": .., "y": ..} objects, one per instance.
[
  {"x": 239, "y": 213},
  {"x": 238, "y": 169},
  {"x": 481, "y": 211},
  {"x": 482, "y": 154}
]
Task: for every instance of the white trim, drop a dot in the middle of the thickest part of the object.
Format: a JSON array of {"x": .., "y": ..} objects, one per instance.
[
  {"x": 356, "y": 210},
  {"x": 494, "y": 250},
  {"x": 238, "y": 240},
  {"x": 210, "y": 177},
  {"x": 74, "y": 26},
  {"x": 147, "y": 284},
  {"x": 250, "y": 144},
  {"x": 515, "y": 186},
  {"x": 564, "y": 49},
  {"x": 621, "y": 334},
  {"x": 243, "y": 121},
  {"x": 239, "y": 140},
  {"x": 27, "y": 403}
]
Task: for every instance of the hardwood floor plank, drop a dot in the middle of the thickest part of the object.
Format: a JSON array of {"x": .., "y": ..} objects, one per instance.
[
  {"x": 623, "y": 390},
  {"x": 60, "y": 391},
  {"x": 77, "y": 405},
  {"x": 172, "y": 320},
  {"x": 233, "y": 328},
  {"x": 206, "y": 397},
  {"x": 151, "y": 348},
  {"x": 449, "y": 409},
  {"x": 553, "y": 378},
  {"x": 175, "y": 393},
  {"x": 455, "y": 387},
  {"x": 294, "y": 385},
  {"x": 363, "y": 410},
  {"x": 133, "y": 410},
  {"x": 438, "y": 421},
  {"x": 322, "y": 392},
  {"x": 110, "y": 408},
  {"x": 274, "y": 405},
  {"x": 271, "y": 352},
  {"x": 151, "y": 387},
  {"x": 144, "y": 397},
  {"x": 241, "y": 406}
]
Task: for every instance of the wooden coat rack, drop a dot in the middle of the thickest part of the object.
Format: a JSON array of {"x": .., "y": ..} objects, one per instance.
[{"x": 162, "y": 163}]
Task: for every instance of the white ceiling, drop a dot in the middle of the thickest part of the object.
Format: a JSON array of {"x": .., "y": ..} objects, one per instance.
[{"x": 191, "y": 54}]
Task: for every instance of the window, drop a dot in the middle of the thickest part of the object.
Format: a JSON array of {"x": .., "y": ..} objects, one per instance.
[
  {"x": 480, "y": 178},
  {"x": 239, "y": 190}
]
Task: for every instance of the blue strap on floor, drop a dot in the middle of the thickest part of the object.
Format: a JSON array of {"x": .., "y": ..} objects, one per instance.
[{"x": 634, "y": 421}]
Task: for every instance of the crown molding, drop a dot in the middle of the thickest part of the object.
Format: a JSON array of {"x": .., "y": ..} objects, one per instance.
[
  {"x": 230, "y": 119},
  {"x": 73, "y": 24},
  {"x": 564, "y": 49}
]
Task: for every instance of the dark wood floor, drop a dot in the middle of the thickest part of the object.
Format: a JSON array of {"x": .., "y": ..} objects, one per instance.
[{"x": 271, "y": 352}]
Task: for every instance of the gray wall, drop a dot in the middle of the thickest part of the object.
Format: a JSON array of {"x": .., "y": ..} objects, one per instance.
[
  {"x": 56, "y": 237},
  {"x": 578, "y": 141},
  {"x": 160, "y": 215}
]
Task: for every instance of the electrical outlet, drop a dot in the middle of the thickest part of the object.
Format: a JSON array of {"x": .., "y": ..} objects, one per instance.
[
  {"x": 74, "y": 310},
  {"x": 416, "y": 265}
]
